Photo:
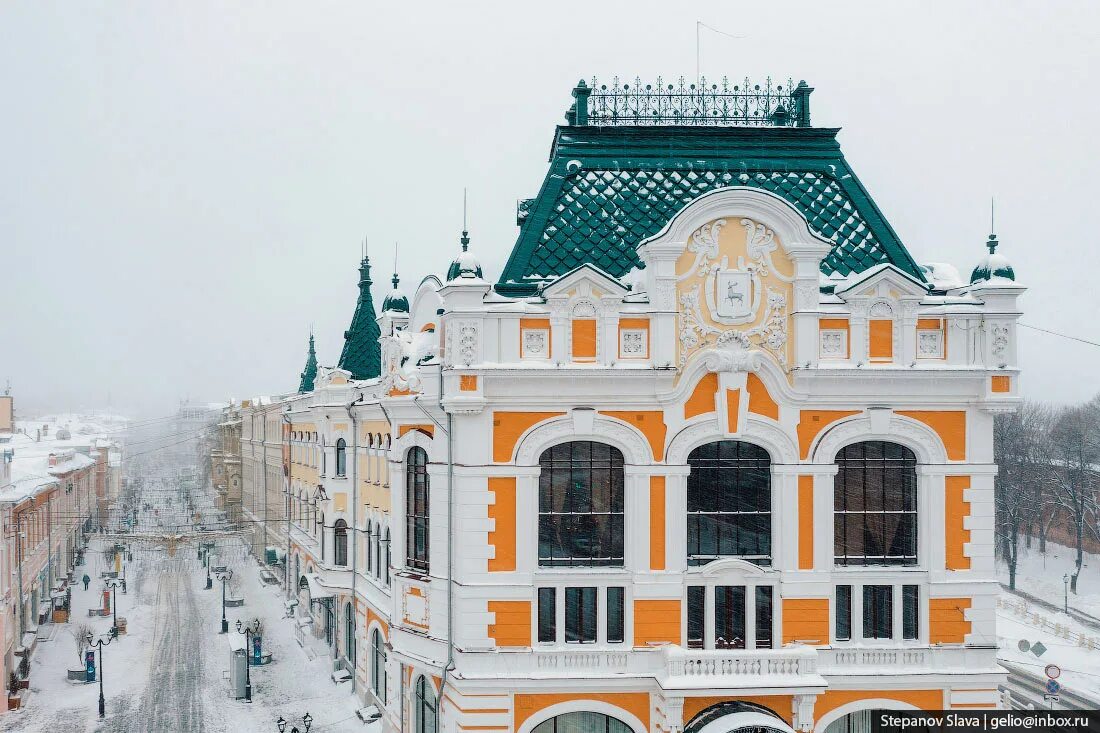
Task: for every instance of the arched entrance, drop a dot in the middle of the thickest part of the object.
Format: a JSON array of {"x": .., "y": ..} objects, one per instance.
[{"x": 739, "y": 716}]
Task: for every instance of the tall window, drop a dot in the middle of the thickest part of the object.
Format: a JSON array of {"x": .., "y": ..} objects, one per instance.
[
  {"x": 581, "y": 505},
  {"x": 425, "y": 706},
  {"x": 370, "y": 556},
  {"x": 729, "y": 503},
  {"x": 349, "y": 634},
  {"x": 582, "y": 721},
  {"x": 341, "y": 457},
  {"x": 378, "y": 665},
  {"x": 416, "y": 509},
  {"x": 875, "y": 507},
  {"x": 386, "y": 559},
  {"x": 730, "y": 616},
  {"x": 340, "y": 542}
]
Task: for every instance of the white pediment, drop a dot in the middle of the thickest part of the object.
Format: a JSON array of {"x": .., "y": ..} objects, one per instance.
[{"x": 584, "y": 280}]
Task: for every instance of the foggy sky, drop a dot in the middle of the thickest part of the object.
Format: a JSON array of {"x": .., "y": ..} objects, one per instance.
[{"x": 185, "y": 185}]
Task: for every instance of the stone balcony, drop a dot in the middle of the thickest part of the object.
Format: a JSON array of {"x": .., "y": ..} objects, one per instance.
[{"x": 796, "y": 669}]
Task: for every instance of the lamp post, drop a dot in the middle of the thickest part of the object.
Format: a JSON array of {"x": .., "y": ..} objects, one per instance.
[
  {"x": 248, "y": 632},
  {"x": 307, "y": 721},
  {"x": 224, "y": 576},
  {"x": 100, "y": 643},
  {"x": 113, "y": 584},
  {"x": 1065, "y": 581},
  {"x": 206, "y": 562}
]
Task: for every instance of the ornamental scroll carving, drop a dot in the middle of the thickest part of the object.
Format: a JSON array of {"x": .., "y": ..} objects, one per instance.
[{"x": 722, "y": 295}]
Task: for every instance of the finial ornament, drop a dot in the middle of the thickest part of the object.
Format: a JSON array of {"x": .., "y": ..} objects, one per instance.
[
  {"x": 992, "y": 243},
  {"x": 465, "y": 230}
]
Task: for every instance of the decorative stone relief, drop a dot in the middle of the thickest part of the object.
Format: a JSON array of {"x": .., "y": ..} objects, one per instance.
[
  {"x": 834, "y": 343},
  {"x": 806, "y": 295},
  {"x": 467, "y": 342},
  {"x": 779, "y": 444},
  {"x": 921, "y": 438},
  {"x": 999, "y": 346},
  {"x": 634, "y": 343},
  {"x": 929, "y": 344},
  {"x": 635, "y": 450},
  {"x": 536, "y": 343}
]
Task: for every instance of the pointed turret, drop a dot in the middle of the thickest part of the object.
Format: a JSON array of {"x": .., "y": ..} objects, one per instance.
[
  {"x": 362, "y": 355},
  {"x": 309, "y": 374}
]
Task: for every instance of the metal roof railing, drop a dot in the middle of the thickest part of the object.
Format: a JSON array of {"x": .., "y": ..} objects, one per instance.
[{"x": 691, "y": 104}]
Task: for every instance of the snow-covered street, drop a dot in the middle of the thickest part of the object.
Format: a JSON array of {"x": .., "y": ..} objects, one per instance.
[{"x": 169, "y": 671}]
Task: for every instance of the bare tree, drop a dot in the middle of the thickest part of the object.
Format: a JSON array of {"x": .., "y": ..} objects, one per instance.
[
  {"x": 1018, "y": 443},
  {"x": 1073, "y": 461},
  {"x": 80, "y": 634}
]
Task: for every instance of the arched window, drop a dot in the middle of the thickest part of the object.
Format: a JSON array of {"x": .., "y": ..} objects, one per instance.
[
  {"x": 349, "y": 634},
  {"x": 378, "y": 665},
  {"x": 341, "y": 457},
  {"x": 729, "y": 503},
  {"x": 425, "y": 706},
  {"x": 416, "y": 509},
  {"x": 875, "y": 505},
  {"x": 582, "y": 721},
  {"x": 321, "y": 524},
  {"x": 581, "y": 505},
  {"x": 370, "y": 558},
  {"x": 340, "y": 541},
  {"x": 378, "y": 550},
  {"x": 387, "y": 558}
]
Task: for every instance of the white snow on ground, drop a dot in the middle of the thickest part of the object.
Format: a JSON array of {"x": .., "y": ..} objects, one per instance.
[
  {"x": 1041, "y": 576},
  {"x": 1072, "y": 645},
  {"x": 167, "y": 672}
]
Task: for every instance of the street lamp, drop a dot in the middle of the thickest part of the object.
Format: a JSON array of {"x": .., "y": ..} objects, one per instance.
[
  {"x": 206, "y": 562},
  {"x": 1065, "y": 580},
  {"x": 100, "y": 643},
  {"x": 224, "y": 576},
  {"x": 248, "y": 632},
  {"x": 307, "y": 721},
  {"x": 113, "y": 584}
]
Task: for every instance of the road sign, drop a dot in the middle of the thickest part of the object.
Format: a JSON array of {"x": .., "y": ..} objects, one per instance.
[
  {"x": 1038, "y": 649},
  {"x": 1024, "y": 645},
  {"x": 1053, "y": 671},
  {"x": 1050, "y": 698},
  {"x": 1053, "y": 687}
]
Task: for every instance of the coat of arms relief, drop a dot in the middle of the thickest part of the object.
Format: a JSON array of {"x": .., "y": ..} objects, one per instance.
[{"x": 732, "y": 296}]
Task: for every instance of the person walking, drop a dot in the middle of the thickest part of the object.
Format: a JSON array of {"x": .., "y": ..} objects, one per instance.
[{"x": 86, "y": 580}]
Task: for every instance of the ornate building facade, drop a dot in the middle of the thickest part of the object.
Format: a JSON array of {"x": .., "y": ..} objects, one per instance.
[{"x": 714, "y": 453}]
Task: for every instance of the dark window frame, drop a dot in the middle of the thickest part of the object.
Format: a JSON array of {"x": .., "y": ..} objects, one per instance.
[
  {"x": 341, "y": 458},
  {"x": 729, "y": 505},
  {"x": 580, "y": 526},
  {"x": 875, "y": 505},
  {"x": 417, "y": 510}
]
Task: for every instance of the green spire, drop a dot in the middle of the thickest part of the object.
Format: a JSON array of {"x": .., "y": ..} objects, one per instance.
[
  {"x": 310, "y": 372},
  {"x": 362, "y": 355}
]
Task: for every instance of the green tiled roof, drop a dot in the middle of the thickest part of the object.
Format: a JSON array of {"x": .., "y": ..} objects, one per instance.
[
  {"x": 362, "y": 355},
  {"x": 608, "y": 188},
  {"x": 309, "y": 374}
]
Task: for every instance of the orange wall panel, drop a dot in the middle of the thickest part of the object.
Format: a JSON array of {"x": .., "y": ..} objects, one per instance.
[
  {"x": 947, "y": 622},
  {"x": 733, "y": 408},
  {"x": 651, "y": 423},
  {"x": 584, "y": 339},
  {"x": 806, "y": 619},
  {"x": 656, "y": 620},
  {"x": 950, "y": 425},
  {"x": 657, "y": 523},
  {"x": 526, "y": 705},
  {"x": 881, "y": 339},
  {"x": 508, "y": 426},
  {"x": 812, "y": 422},
  {"x": 503, "y": 512},
  {"x": 832, "y": 699},
  {"x": 426, "y": 429},
  {"x": 1001, "y": 383},
  {"x": 956, "y": 510},
  {"x": 760, "y": 400},
  {"x": 467, "y": 383},
  {"x": 805, "y": 522},
  {"x": 513, "y": 623},
  {"x": 702, "y": 397}
]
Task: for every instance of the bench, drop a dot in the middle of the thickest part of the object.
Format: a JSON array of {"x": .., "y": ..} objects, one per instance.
[{"x": 341, "y": 675}]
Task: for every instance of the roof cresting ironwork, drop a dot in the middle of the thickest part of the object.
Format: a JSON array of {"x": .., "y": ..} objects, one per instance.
[{"x": 691, "y": 103}]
